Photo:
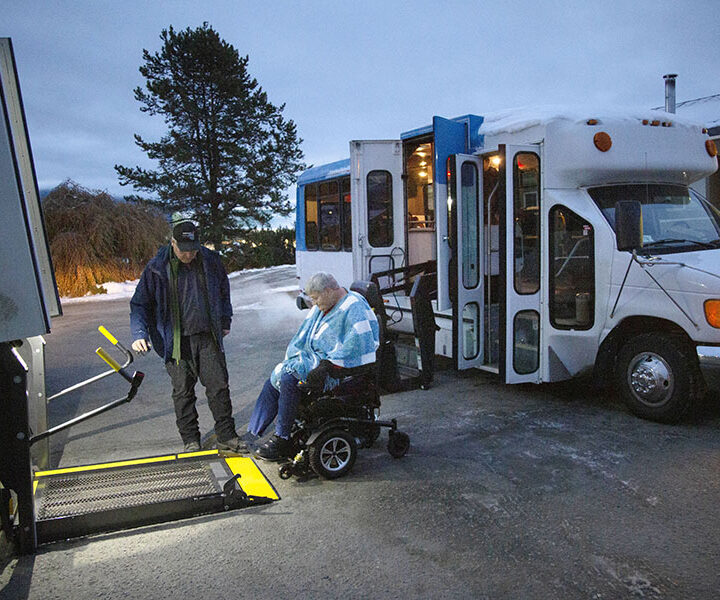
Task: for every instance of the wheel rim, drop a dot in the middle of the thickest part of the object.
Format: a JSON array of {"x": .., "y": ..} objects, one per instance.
[
  {"x": 650, "y": 379},
  {"x": 335, "y": 454}
]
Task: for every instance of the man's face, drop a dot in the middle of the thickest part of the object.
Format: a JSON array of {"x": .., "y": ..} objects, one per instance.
[
  {"x": 184, "y": 257},
  {"x": 324, "y": 299}
]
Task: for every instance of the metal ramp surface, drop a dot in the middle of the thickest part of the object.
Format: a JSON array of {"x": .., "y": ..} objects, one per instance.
[{"x": 78, "y": 501}]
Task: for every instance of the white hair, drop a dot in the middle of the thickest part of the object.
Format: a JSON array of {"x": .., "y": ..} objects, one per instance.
[{"x": 319, "y": 282}]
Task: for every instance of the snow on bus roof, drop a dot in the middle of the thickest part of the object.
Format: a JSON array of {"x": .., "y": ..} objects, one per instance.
[
  {"x": 704, "y": 110},
  {"x": 515, "y": 120}
]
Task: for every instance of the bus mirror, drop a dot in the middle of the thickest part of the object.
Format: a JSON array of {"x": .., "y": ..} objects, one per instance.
[
  {"x": 628, "y": 225},
  {"x": 300, "y": 302}
]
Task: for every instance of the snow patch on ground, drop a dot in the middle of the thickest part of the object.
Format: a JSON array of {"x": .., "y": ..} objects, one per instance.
[{"x": 125, "y": 289}]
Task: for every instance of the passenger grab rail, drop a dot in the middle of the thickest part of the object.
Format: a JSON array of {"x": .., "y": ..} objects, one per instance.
[
  {"x": 135, "y": 379},
  {"x": 128, "y": 359},
  {"x": 403, "y": 277}
]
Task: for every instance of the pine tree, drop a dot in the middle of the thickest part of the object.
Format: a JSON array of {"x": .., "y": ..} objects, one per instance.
[{"x": 229, "y": 154}]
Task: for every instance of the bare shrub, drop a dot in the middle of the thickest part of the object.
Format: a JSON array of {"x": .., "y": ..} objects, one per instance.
[{"x": 94, "y": 239}]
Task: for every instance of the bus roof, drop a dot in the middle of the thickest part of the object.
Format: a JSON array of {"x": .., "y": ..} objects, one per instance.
[{"x": 323, "y": 172}]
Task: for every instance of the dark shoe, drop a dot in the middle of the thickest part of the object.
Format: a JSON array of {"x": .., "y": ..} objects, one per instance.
[
  {"x": 234, "y": 444},
  {"x": 249, "y": 438},
  {"x": 276, "y": 448},
  {"x": 193, "y": 446}
]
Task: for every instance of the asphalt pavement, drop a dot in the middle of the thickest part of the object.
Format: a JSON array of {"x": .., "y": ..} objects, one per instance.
[{"x": 518, "y": 492}]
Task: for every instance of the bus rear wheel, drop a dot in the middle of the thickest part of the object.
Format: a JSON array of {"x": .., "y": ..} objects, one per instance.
[{"x": 657, "y": 377}]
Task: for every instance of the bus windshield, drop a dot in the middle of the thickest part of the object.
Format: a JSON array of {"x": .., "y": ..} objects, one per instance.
[{"x": 675, "y": 218}]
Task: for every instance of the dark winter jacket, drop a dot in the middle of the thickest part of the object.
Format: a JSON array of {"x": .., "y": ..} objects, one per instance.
[{"x": 150, "y": 311}]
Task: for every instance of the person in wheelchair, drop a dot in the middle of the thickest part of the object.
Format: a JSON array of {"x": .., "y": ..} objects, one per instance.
[{"x": 339, "y": 331}]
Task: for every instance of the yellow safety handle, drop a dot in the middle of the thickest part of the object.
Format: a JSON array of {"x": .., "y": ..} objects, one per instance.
[
  {"x": 111, "y": 338},
  {"x": 108, "y": 359}
]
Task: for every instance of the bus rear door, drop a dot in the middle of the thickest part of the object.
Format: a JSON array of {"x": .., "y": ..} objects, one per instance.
[{"x": 378, "y": 214}]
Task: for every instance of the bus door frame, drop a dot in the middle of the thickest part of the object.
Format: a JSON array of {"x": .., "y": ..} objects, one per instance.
[{"x": 449, "y": 137}]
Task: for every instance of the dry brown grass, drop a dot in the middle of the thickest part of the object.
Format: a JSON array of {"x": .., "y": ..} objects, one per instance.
[{"x": 94, "y": 239}]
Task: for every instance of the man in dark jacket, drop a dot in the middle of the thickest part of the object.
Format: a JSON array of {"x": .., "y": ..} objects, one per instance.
[{"x": 182, "y": 306}]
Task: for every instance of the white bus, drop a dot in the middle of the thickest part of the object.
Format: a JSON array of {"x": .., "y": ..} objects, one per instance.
[{"x": 514, "y": 214}]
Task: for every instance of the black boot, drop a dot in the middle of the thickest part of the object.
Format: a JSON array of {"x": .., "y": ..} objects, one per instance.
[{"x": 276, "y": 448}]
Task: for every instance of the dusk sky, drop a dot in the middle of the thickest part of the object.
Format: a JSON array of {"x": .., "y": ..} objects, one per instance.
[{"x": 349, "y": 70}]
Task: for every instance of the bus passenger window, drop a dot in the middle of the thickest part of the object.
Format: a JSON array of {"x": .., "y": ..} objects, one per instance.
[
  {"x": 380, "y": 209},
  {"x": 329, "y": 215},
  {"x": 311, "y": 217},
  {"x": 572, "y": 270}
]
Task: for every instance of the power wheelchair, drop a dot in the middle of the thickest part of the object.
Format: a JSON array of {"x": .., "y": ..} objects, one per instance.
[{"x": 331, "y": 425}]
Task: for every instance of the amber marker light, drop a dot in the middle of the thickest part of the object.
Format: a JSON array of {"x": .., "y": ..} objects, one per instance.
[
  {"x": 712, "y": 312},
  {"x": 711, "y": 147},
  {"x": 602, "y": 141}
]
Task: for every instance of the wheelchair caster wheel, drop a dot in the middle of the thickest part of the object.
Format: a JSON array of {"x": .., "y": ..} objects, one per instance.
[
  {"x": 285, "y": 471},
  {"x": 398, "y": 444}
]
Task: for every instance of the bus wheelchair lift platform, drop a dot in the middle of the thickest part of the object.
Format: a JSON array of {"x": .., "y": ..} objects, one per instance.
[
  {"x": 76, "y": 501},
  {"x": 105, "y": 497}
]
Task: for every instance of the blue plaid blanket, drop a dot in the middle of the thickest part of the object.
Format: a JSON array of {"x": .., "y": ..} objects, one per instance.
[{"x": 347, "y": 336}]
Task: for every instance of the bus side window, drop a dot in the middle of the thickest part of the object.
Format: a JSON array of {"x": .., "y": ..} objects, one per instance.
[
  {"x": 572, "y": 270},
  {"x": 328, "y": 199},
  {"x": 346, "y": 213},
  {"x": 311, "y": 217}
]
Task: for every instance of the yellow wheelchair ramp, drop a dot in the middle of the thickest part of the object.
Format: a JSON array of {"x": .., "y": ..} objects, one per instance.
[{"x": 78, "y": 501}]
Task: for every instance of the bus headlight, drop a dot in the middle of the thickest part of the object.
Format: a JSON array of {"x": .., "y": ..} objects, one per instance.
[{"x": 712, "y": 312}]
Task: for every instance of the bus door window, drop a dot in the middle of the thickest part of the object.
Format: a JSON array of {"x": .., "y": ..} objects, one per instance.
[
  {"x": 380, "y": 209},
  {"x": 572, "y": 270},
  {"x": 526, "y": 202}
]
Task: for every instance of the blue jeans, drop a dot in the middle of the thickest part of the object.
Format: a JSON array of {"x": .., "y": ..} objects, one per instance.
[{"x": 272, "y": 403}]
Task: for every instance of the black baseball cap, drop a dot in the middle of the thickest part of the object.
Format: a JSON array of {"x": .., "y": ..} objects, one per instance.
[{"x": 186, "y": 235}]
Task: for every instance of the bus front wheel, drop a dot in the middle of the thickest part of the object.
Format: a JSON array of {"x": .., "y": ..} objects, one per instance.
[{"x": 657, "y": 377}]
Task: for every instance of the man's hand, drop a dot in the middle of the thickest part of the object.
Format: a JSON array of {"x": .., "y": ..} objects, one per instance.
[
  {"x": 140, "y": 346},
  {"x": 225, "y": 332}
]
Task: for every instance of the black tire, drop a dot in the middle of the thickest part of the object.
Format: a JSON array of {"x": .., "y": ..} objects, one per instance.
[
  {"x": 398, "y": 444},
  {"x": 285, "y": 471},
  {"x": 333, "y": 453},
  {"x": 657, "y": 377}
]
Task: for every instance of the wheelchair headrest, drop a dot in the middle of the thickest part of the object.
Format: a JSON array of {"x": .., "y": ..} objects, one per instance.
[{"x": 369, "y": 291}]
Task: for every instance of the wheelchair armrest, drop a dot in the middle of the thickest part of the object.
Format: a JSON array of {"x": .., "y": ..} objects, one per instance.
[{"x": 342, "y": 372}]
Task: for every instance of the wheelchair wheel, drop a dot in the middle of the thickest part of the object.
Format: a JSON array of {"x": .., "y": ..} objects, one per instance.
[
  {"x": 398, "y": 444},
  {"x": 333, "y": 454}
]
